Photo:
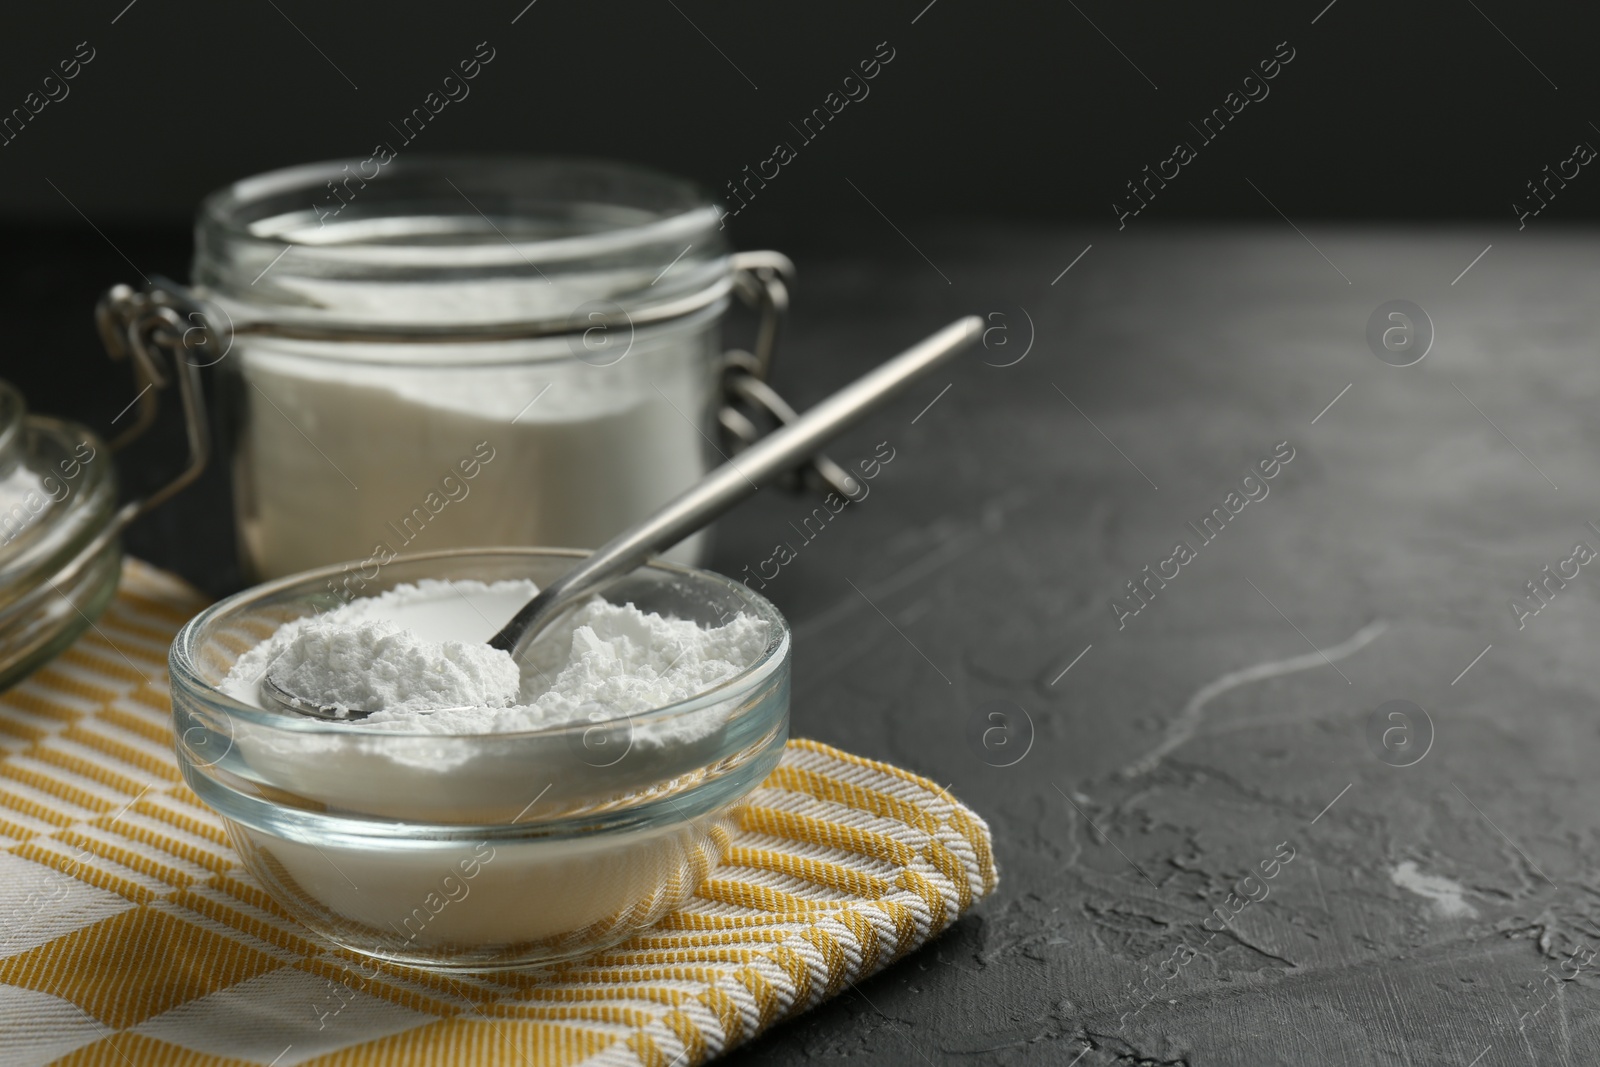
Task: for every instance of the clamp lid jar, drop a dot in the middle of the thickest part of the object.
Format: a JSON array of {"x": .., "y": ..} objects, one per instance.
[
  {"x": 419, "y": 354},
  {"x": 57, "y": 568},
  {"x": 60, "y": 523}
]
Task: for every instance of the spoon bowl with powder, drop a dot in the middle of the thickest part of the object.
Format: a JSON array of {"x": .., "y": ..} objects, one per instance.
[{"x": 366, "y": 672}]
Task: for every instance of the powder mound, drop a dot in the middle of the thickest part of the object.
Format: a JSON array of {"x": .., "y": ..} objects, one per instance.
[
  {"x": 628, "y": 661},
  {"x": 398, "y": 656},
  {"x": 379, "y": 665}
]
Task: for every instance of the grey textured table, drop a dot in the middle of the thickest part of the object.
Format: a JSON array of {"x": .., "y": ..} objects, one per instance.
[
  {"x": 1432, "y": 913},
  {"x": 1439, "y": 912}
]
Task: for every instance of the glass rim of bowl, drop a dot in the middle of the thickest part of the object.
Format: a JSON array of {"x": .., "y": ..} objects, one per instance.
[{"x": 183, "y": 670}]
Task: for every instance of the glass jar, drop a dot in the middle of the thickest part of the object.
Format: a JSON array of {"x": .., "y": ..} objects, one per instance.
[
  {"x": 60, "y": 522},
  {"x": 425, "y": 354},
  {"x": 59, "y": 556}
]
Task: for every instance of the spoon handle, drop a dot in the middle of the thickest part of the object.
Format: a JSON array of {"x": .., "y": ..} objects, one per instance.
[{"x": 740, "y": 477}]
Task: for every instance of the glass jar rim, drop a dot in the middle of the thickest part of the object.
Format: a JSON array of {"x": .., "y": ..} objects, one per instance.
[
  {"x": 183, "y": 670},
  {"x": 676, "y": 198},
  {"x": 441, "y": 218}
]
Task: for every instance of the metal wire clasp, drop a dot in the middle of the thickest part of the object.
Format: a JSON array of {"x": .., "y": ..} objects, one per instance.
[
  {"x": 167, "y": 335},
  {"x": 750, "y": 406}
]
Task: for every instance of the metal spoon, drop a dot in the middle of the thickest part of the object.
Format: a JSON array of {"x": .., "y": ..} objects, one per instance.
[{"x": 708, "y": 498}]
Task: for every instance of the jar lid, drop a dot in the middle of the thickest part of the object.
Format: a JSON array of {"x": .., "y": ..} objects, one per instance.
[
  {"x": 59, "y": 556},
  {"x": 418, "y": 241}
]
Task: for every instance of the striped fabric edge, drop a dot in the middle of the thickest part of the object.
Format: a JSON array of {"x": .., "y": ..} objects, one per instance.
[
  {"x": 841, "y": 865},
  {"x": 836, "y": 867}
]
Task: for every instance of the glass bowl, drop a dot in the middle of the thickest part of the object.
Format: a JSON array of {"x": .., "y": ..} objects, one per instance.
[{"x": 484, "y": 851}]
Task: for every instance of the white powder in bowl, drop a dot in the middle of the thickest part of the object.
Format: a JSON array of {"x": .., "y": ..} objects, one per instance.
[
  {"x": 426, "y": 760},
  {"x": 464, "y": 451},
  {"x": 379, "y": 665},
  {"x": 417, "y": 660}
]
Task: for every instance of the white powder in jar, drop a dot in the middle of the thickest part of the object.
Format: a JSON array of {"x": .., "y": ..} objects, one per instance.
[
  {"x": 417, "y": 661},
  {"x": 22, "y": 500},
  {"x": 472, "y": 449}
]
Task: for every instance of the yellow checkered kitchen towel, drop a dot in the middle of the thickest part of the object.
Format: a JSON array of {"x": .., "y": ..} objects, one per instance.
[{"x": 130, "y": 935}]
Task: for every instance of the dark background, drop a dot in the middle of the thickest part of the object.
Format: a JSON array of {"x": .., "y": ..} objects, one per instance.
[
  {"x": 1024, "y": 110},
  {"x": 1026, "y": 114}
]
